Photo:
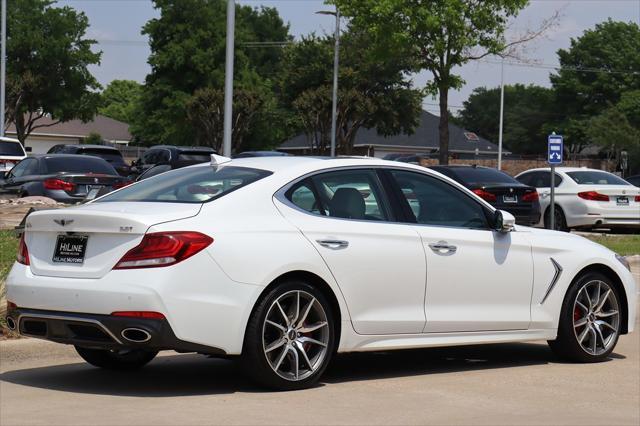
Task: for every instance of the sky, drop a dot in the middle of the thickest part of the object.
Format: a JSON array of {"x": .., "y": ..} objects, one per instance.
[{"x": 117, "y": 24}]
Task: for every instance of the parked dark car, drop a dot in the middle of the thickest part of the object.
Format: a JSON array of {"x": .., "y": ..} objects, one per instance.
[
  {"x": 110, "y": 154},
  {"x": 499, "y": 189},
  {"x": 64, "y": 177},
  {"x": 633, "y": 180},
  {"x": 250, "y": 154},
  {"x": 165, "y": 167},
  {"x": 170, "y": 154}
]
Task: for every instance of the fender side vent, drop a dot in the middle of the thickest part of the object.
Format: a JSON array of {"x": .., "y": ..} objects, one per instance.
[{"x": 556, "y": 277}]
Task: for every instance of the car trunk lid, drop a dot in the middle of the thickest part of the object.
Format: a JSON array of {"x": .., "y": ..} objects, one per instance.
[{"x": 105, "y": 230}]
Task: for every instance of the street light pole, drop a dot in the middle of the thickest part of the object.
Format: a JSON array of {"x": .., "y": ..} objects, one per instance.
[
  {"x": 501, "y": 115},
  {"x": 3, "y": 64},
  {"x": 228, "y": 86},
  {"x": 336, "y": 66}
]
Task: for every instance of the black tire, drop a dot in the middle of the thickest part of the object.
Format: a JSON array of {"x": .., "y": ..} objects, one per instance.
[
  {"x": 255, "y": 361},
  {"x": 111, "y": 360},
  {"x": 566, "y": 346},
  {"x": 560, "y": 223}
]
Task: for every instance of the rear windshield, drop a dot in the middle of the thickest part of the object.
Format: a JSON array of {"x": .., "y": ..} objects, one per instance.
[
  {"x": 471, "y": 175},
  {"x": 189, "y": 185},
  {"x": 78, "y": 164},
  {"x": 596, "y": 178},
  {"x": 11, "y": 148},
  {"x": 196, "y": 157},
  {"x": 111, "y": 155}
]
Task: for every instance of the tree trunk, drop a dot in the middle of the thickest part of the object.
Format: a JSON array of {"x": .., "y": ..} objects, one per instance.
[{"x": 444, "y": 124}]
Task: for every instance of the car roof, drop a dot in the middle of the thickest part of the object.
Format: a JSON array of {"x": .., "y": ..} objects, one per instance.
[
  {"x": 564, "y": 169},
  {"x": 92, "y": 146},
  {"x": 184, "y": 148}
]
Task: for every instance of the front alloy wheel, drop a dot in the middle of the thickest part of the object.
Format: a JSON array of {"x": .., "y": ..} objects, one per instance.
[
  {"x": 289, "y": 339},
  {"x": 590, "y": 320}
]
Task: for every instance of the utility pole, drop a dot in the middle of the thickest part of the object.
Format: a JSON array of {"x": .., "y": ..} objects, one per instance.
[
  {"x": 228, "y": 86},
  {"x": 501, "y": 115},
  {"x": 3, "y": 65},
  {"x": 336, "y": 66}
]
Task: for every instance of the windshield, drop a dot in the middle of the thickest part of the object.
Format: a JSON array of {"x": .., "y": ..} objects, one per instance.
[
  {"x": 71, "y": 164},
  {"x": 596, "y": 178},
  {"x": 190, "y": 185},
  {"x": 11, "y": 148},
  {"x": 472, "y": 175}
]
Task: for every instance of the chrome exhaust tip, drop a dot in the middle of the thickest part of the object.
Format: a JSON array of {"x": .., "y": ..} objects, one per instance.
[
  {"x": 135, "y": 335},
  {"x": 11, "y": 324}
]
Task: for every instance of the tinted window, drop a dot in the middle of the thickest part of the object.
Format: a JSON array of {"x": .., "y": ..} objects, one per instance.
[
  {"x": 164, "y": 156},
  {"x": 32, "y": 167},
  {"x": 196, "y": 157},
  {"x": 482, "y": 176},
  {"x": 540, "y": 179},
  {"x": 190, "y": 185},
  {"x": 77, "y": 164},
  {"x": 596, "y": 178},
  {"x": 110, "y": 155},
  {"x": 150, "y": 157},
  {"x": 433, "y": 202},
  {"x": 20, "y": 168},
  {"x": 11, "y": 148}
]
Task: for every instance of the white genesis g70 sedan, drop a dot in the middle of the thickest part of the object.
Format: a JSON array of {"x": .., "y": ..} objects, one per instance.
[{"x": 285, "y": 261}]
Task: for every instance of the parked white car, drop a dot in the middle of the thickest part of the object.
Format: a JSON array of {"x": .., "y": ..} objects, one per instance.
[
  {"x": 585, "y": 198},
  {"x": 284, "y": 261},
  {"x": 11, "y": 153}
]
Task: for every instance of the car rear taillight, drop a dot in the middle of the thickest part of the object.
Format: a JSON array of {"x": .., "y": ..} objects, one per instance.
[
  {"x": 164, "y": 249},
  {"x": 593, "y": 196},
  {"x": 138, "y": 314},
  {"x": 122, "y": 184},
  {"x": 59, "y": 184},
  {"x": 23, "y": 253},
  {"x": 637, "y": 198},
  {"x": 487, "y": 196},
  {"x": 531, "y": 196}
]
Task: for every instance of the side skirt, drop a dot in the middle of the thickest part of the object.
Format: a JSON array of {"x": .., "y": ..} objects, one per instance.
[{"x": 360, "y": 343}]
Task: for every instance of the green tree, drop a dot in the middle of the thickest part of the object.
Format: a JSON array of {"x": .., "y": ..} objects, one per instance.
[
  {"x": 528, "y": 112},
  {"x": 93, "y": 138},
  {"x": 187, "y": 45},
  {"x": 119, "y": 100},
  {"x": 47, "y": 66},
  {"x": 372, "y": 93},
  {"x": 596, "y": 71},
  {"x": 612, "y": 131},
  {"x": 439, "y": 35}
]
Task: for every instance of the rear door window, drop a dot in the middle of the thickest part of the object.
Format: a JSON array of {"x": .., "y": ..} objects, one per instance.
[{"x": 189, "y": 185}]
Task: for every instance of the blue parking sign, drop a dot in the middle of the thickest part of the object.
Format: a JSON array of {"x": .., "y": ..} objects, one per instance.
[{"x": 556, "y": 150}]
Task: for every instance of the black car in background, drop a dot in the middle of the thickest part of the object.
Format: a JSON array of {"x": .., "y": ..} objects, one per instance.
[
  {"x": 499, "y": 189},
  {"x": 172, "y": 155},
  {"x": 110, "y": 154},
  {"x": 65, "y": 178},
  {"x": 633, "y": 180}
]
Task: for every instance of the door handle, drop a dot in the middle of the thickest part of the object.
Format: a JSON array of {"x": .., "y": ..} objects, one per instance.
[
  {"x": 333, "y": 244},
  {"x": 442, "y": 247}
]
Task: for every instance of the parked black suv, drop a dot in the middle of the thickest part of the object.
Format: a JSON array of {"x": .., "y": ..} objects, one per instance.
[
  {"x": 172, "y": 155},
  {"x": 110, "y": 154},
  {"x": 499, "y": 189}
]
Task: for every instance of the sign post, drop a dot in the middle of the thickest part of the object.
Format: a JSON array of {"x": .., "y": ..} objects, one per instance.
[{"x": 555, "y": 154}]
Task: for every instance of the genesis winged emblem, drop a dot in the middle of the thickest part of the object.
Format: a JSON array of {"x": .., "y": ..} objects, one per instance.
[{"x": 63, "y": 222}]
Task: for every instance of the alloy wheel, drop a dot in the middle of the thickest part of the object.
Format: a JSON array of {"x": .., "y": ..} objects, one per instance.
[
  {"x": 596, "y": 317},
  {"x": 295, "y": 335}
]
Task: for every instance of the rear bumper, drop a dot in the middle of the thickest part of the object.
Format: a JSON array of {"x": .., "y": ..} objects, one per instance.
[
  {"x": 101, "y": 331},
  {"x": 603, "y": 215}
]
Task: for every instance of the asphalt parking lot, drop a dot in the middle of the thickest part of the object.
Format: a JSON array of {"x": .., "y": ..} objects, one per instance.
[{"x": 45, "y": 383}]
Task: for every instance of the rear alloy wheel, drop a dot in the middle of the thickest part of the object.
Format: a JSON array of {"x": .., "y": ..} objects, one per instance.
[
  {"x": 560, "y": 222},
  {"x": 290, "y": 337},
  {"x": 125, "y": 359},
  {"x": 590, "y": 320}
]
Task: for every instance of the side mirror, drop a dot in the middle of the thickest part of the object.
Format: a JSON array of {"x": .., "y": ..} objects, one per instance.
[
  {"x": 28, "y": 149},
  {"x": 503, "y": 221}
]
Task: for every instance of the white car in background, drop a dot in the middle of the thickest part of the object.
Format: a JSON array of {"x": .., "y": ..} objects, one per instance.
[
  {"x": 11, "y": 153},
  {"x": 284, "y": 261},
  {"x": 585, "y": 198}
]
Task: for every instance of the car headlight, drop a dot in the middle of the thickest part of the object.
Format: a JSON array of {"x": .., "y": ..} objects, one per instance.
[{"x": 624, "y": 261}]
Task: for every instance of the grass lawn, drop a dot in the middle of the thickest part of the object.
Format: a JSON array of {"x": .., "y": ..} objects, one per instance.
[
  {"x": 8, "y": 247},
  {"x": 625, "y": 245}
]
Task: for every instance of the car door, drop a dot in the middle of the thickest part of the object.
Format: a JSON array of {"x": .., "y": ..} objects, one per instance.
[
  {"x": 20, "y": 175},
  {"x": 477, "y": 279},
  {"x": 379, "y": 265}
]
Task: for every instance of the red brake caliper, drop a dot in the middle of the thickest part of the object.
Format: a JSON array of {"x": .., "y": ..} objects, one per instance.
[{"x": 576, "y": 313}]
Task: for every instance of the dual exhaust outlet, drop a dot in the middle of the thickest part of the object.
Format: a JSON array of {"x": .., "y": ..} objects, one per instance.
[{"x": 130, "y": 334}]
